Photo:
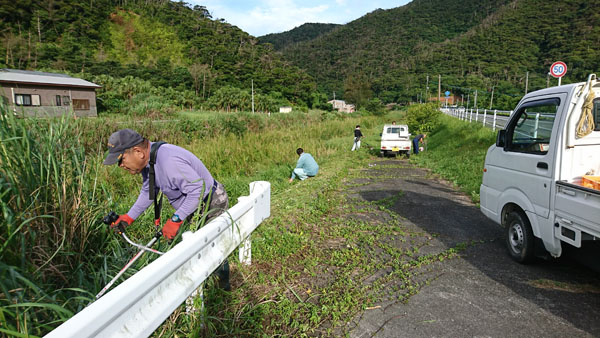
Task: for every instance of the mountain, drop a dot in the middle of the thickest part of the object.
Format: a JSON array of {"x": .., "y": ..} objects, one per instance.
[
  {"x": 484, "y": 45},
  {"x": 395, "y": 55},
  {"x": 370, "y": 47},
  {"x": 170, "y": 44},
  {"x": 305, "y": 32}
]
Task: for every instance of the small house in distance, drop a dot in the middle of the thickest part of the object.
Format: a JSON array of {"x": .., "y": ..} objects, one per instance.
[
  {"x": 285, "y": 109},
  {"x": 40, "y": 94},
  {"x": 342, "y": 106}
]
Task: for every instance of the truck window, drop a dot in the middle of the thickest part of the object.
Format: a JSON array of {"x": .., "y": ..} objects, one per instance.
[
  {"x": 596, "y": 112},
  {"x": 531, "y": 129},
  {"x": 393, "y": 130}
]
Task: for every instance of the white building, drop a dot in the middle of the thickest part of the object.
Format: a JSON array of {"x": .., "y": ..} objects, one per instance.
[{"x": 342, "y": 106}]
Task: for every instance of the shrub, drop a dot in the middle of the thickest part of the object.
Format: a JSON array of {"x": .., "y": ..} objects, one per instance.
[
  {"x": 375, "y": 107},
  {"x": 423, "y": 118}
]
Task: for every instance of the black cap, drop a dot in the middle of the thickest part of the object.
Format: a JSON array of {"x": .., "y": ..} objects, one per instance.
[{"x": 120, "y": 141}]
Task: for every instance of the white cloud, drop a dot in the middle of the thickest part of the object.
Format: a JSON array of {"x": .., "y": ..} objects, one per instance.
[
  {"x": 276, "y": 16},
  {"x": 260, "y": 17}
]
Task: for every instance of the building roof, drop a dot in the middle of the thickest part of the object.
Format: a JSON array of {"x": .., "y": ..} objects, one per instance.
[{"x": 42, "y": 78}]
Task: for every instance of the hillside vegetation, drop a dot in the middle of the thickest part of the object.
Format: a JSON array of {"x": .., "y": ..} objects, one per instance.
[
  {"x": 305, "y": 32},
  {"x": 168, "y": 44},
  {"x": 474, "y": 45},
  {"x": 185, "y": 59}
]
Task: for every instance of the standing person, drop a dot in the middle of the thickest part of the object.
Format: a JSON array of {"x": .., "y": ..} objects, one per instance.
[
  {"x": 357, "y": 136},
  {"x": 178, "y": 173},
  {"x": 416, "y": 140},
  {"x": 305, "y": 167}
]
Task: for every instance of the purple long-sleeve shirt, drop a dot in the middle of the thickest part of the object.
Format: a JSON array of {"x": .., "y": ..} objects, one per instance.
[{"x": 182, "y": 178}]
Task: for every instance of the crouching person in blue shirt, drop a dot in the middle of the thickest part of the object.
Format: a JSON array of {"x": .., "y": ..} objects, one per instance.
[{"x": 306, "y": 166}]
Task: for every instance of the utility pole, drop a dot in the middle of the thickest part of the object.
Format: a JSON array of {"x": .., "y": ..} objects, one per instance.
[
  {"x": 492, "y": 98},
  {"x": 462, "y": 99},
  {"x": 439, "y": 88},
  {"x": 475, "y": 104},
  {"x": 526, "y": 82},
  {"x": 468, "y": 100},
  {"x": 427, "y": 89},
  {"x": 252, "y": 96},
  {"x": 547, "y": 80}
]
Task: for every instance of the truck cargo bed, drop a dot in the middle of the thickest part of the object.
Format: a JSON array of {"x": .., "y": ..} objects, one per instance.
[{"x": 577, "y": 212}]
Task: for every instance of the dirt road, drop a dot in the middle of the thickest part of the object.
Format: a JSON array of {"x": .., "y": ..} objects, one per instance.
[{"x": 479, "y": 291}]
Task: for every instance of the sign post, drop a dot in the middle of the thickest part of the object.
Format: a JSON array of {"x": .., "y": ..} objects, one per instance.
[{"x": 558, "y": 69}]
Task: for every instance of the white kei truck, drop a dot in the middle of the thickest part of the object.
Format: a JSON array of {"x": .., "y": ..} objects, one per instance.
[
  {"x": 538, "y": 179},
  {"x": 395, "y": 139}
]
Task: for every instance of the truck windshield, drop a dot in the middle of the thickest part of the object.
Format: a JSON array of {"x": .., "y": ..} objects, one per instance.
[
  {"x": 533, "y": 128},
  {"x": 394, "y": 130}
]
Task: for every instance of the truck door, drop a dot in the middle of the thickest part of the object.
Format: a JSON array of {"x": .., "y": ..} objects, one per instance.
[{"x": 529, "y": 149}]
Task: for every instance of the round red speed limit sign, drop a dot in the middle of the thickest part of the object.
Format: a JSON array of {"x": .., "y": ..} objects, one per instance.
[{"x": 558, "y": 69}]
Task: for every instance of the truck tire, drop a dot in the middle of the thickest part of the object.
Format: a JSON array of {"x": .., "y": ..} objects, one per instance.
[
  {"x": 519, "y": 237},
  {"x": 407, "y": 154}
]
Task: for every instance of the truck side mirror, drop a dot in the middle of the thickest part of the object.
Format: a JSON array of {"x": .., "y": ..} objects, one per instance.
[
  {"x": 380, "y": 134},
  {"x": 501, "y": 138}
]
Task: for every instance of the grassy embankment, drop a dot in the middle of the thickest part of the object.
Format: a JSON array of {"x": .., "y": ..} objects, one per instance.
[
  {"x": 81, "y": 256},
  {"x": 56, "y": 254}
]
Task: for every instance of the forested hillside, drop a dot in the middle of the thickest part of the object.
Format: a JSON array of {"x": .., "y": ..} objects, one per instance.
[
  {"x": 163, "y": 54},
  {"x": 479, "y": 45},
  {"x": 305, "y": 32},
  {"x": 155, "y": 44}
]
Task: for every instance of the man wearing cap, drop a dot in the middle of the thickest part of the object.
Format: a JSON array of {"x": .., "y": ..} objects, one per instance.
[{"x": 179, "y": 174}]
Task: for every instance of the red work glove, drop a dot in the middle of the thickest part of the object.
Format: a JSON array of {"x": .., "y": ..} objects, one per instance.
[
  {"x": 171, "y": 227},
  {"x": 123, "y": 220}
]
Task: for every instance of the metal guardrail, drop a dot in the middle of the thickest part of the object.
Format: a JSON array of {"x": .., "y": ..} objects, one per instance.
[
  {"x": 141, "y": 303},
  {"x": 500, "y": 118},
  {"x": 492, "y": 118}
]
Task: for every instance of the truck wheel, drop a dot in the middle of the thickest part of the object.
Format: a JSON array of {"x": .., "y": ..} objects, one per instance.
[
  {"x": 519, "y": 237},
  {"x": 407, "y": 154}
]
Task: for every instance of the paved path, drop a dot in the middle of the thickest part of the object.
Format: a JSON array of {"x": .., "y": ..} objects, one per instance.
[{"x": 482, "y": 292}]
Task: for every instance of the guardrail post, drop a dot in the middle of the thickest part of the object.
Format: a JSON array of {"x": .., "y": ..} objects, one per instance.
[
  {"x": 476, "y": 114},
  {"x": 494, "y": 124},
  {"x": 484, "y": 116},
  {"x": 191, "y": 308},
  {"x": 471, "y": 116},
  {"x": 246, "y": 252}
]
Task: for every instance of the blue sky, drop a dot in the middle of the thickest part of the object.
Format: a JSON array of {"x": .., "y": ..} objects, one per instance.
[{"x": 260, "y": 17}]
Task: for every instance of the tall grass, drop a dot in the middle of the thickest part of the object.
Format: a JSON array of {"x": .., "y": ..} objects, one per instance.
[{"x": 48, "y": 224}]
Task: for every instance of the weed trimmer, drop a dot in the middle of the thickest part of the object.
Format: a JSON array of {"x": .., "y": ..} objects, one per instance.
[{"x": 110, "y": 219}]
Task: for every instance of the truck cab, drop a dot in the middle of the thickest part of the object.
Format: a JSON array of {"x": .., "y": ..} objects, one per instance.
[
  {"x": 395, "y": 139},
  {"x": 533, "y": 176}
]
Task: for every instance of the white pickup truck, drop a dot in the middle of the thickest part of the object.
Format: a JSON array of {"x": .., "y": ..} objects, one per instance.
[
  {"x": 532, "y": 181},
  {"x": 395, "y": 139}
]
